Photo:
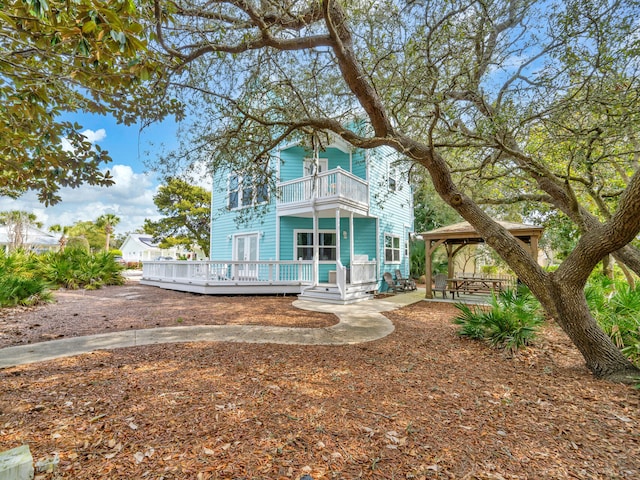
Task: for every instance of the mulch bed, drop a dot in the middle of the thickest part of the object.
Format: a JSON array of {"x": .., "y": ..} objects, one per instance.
[
  {"x": 135, "y": 306},
  {"x": 421, "y": 403}
]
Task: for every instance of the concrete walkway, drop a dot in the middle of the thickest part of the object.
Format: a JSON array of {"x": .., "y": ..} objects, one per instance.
[{"x": 358, "y": 323}]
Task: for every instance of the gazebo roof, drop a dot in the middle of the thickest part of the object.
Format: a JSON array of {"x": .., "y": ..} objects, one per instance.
[{"x": 464, "y": 232}]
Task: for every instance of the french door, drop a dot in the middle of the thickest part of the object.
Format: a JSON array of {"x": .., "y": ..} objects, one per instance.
[{"x": 245, "y": 249}]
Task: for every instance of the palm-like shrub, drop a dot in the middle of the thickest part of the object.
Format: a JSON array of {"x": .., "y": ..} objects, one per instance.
[
  {"x": 616, "y": 308},
  {"x": 510, "y": 321},
  {"x": 26, "y": 277},
  {"x": 15, "y": 290},
  {"x": 18, "y": 284},
  {"x": 59, "y": 270},
  {"x": 76, "y": 268}
]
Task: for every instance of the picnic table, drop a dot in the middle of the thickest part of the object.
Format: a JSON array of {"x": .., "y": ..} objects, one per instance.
[{"x": 470, "y": 285}]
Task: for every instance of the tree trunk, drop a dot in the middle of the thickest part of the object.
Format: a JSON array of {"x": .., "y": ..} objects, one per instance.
[
  {"x": 563, "y": 299},
  {"x": 628, "y": 275},
  {"x": 607, "y": 267},
  {"x": 561, "y": 293},
  {"x": 602, "y": 356},
  {"x": 629, "y": 256}
]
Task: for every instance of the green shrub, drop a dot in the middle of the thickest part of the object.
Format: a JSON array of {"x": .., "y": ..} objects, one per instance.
[
  {"x": 78, "y": 243},
  {"x": 616, "y": 308},
  {"x": 18, "y": 284},
  {"x": 510, "y": 321},
  {"x": 23, "y": 291},
  {"x": 25, "y": 278},
  {"x": 76, "y": 268},
  {"x": 416, "y": 258}
]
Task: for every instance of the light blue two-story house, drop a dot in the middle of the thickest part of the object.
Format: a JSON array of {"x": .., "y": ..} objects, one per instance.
[{"x": 338, "y": 219}]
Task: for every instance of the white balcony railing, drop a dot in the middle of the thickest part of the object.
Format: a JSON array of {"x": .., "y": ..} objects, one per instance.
[{"x": 333, "y": 184}]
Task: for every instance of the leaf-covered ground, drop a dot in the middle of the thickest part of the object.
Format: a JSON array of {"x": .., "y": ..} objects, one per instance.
[{"x": 420, "y": 403}]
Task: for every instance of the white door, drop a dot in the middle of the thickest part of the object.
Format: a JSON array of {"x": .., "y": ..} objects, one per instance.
[
  {"x": 246, "y": 250},
  {"x": 310, "y": 166}
]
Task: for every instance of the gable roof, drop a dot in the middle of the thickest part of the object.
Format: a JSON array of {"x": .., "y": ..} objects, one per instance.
[
  {"x": 33, "y": 236},
  {"x": 144, "y": 239},
  {"x": 464, "y": 232}
]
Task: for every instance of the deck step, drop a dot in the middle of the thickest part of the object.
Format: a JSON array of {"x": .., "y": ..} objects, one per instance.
[{"x": 330, "y": 294}]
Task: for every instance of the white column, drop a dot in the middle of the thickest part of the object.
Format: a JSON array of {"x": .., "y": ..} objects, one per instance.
[
  {"x": 351, "y": 237},
  {"x": 316, "y": 248},
  {"x": 338, "y": 235}
]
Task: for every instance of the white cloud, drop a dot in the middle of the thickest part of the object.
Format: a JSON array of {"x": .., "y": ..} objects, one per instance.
[
  {"x": 131, "y": 199},
  {"x": 95, "y": 136},
  {"x": 91, "y": 135}
]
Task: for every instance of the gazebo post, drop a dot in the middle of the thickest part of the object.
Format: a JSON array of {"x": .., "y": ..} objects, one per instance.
[
  {"x": 534, "y": 247},
  {"x": 427, "y": 269},
  {"x": 450, "y": 255},
  {"x": 428, "y": 251}
]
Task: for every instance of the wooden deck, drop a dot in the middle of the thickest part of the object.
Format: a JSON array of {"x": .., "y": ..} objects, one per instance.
[{"x": 259, "y": 278}]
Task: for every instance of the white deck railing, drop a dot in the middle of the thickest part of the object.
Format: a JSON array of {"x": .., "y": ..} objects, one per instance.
[
  {"x": 234, "y": 272},
  {"x": 226, "y": 272},
  {"x": 335, "y": 183},
  {"x": 363, "y": 271}
]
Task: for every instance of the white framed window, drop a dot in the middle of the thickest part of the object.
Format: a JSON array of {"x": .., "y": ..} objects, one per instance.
[
  {"x": 326, "y": 246},
  {"x": 391, "y": 248},
  {"x": 392, "y": 178},
  {"x": 309, "y": 166},
  {"x": 234, "y": 191},
  {"x": 243, "y": 191}
]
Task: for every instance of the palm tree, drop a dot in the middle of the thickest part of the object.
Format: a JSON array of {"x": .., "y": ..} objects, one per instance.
[
  {"x": 62, "y": 230},
  {"x": 18, "y": 223},
  {"x": 107, "y": 221}
]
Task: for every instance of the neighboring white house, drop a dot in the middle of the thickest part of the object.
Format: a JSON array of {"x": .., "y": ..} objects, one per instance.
[
  {"x": 33, "y": 239},
  {"x": 140, "y": 247}
]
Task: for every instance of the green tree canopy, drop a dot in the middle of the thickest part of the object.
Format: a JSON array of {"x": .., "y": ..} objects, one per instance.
[
  {"x": 88, "y": 230},
  {"x": 187, "y": 215},
  {"x": 58, "y": 57}
]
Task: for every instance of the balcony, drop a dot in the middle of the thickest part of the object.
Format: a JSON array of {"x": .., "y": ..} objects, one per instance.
[{"x": 326, "y": 191}]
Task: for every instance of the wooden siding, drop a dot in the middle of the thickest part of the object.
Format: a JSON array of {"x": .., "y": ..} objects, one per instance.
[
  {"x": 225, "y": 225},
  {"x": 365, "y": 238},
  {"x": 393, "y": 208},
  {"x": 292, "y": 162},
  {"x": 359, "y": 164}
]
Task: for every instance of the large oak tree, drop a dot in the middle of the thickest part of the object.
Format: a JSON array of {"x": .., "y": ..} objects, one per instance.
[{"x": 452, "y": 85}]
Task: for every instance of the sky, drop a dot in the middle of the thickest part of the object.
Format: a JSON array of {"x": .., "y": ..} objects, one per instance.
[{"x": 131, "y": 198}]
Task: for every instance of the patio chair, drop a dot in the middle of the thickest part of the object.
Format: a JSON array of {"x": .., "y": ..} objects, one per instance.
[
  {"x": 440, "y": 284},
  {"x": 392, "y": 285},
  {"x": 407, "y": 283}
]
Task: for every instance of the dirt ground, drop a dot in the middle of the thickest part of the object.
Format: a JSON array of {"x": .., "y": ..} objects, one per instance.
[{"x": 421, "y": 403}]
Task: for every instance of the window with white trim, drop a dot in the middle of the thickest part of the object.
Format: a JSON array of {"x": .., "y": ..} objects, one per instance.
[
  {"x": 392, "y": 179},
  {"x": 234, "y": 191},
  {"x": 244, "y": 192},
  {"x": 326, "y": 245},
  {"x": 391, "y": 248}
]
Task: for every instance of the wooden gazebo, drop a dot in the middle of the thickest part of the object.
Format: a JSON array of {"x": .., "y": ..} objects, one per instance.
[{"x": 459, "y": 235}]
